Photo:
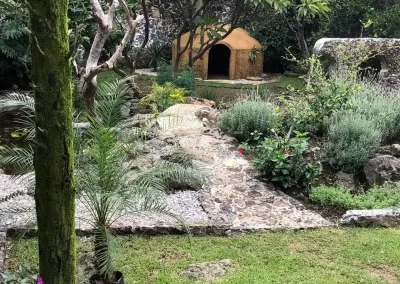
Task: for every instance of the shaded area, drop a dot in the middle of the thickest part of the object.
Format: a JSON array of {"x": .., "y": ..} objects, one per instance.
[
  {"x": 218, "y": 62},
  {"x": 370, "y": 68}
]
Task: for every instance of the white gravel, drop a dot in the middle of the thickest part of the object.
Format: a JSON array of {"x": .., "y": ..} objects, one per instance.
[{"x": 19, "y": 212}]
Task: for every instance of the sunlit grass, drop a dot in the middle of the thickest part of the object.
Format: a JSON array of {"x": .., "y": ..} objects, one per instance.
[{"x": 326, "y": 256}]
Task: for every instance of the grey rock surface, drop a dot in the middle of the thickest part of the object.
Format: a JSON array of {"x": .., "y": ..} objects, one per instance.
[
  {"x": 377, "y": 217},
  {"x": 208, "y": 271},
  {"x": 382, "y": 169}
]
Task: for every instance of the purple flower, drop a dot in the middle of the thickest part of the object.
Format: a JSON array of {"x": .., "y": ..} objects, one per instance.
[{"x": 39, "y": 281}]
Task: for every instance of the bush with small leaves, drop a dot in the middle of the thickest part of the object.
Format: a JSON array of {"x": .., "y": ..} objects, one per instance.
[
  {"x": 247, "y": 116},
  {"x": 351, "y": 139}
]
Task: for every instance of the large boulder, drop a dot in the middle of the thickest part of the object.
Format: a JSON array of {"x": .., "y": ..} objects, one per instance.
[
  {"x": 382, "y": 169},
  {"x": 377, "y": 217}
]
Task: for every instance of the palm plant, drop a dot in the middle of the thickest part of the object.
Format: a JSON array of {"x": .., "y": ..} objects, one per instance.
[
  {"x": 102, "y": 171},
  {"x": 104, "y": 182}
]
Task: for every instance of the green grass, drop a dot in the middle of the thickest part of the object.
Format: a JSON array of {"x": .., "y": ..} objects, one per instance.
[
  {"x": 282, "y": 83},
  {"x": 326, "y": 256}
]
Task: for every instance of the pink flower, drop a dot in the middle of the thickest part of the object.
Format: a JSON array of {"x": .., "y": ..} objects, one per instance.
[
  {"x": 39, "y": 281},
  {"x": 241, "y": 151},
  {"x": 287, "y": 153}
]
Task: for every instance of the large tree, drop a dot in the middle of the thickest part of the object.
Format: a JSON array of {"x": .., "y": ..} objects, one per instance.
[
  {"x": 53, "y": 161},
  {"x": 296, "y": 13}
]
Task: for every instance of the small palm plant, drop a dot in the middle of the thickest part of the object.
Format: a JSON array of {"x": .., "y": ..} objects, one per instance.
[{"x": 104, "y": 182}]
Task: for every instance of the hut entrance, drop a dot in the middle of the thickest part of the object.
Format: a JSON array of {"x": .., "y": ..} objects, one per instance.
[{"x": 218, "y": 62}]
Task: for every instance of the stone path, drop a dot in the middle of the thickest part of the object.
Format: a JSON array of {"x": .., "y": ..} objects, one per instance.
[{"x": 233, "y": 201}]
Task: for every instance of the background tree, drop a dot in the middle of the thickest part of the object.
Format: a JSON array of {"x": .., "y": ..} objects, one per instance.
[
  {"x": 53, "y": 161},
  {"x": 296, "y": 13},
  {"x": 105, "y": 23}
]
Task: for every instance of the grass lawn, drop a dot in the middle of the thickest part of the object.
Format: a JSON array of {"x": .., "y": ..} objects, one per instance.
[{"x": 326, "y": 256}]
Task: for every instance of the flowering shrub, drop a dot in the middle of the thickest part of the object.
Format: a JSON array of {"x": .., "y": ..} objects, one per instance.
[{"x": 281, "y": 160}]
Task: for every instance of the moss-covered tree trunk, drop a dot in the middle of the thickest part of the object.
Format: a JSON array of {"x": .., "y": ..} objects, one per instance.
[{"x": 55, "y": 194}]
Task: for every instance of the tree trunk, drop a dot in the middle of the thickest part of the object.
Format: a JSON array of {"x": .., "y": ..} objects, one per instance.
[
  {"x": 301, "y": 40},
  {"x": 55, "y": 193}
]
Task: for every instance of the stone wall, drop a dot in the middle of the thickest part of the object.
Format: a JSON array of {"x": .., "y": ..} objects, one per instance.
[{"x": 387, "y": 49}]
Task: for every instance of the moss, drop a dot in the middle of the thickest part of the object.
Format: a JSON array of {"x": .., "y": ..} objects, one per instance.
[{"x": 55, "y": 196}]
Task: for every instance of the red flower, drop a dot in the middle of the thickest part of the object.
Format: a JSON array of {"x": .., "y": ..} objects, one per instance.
[
  {"x": 241, "y": 151},
  {"x": 287, "y": 153}
]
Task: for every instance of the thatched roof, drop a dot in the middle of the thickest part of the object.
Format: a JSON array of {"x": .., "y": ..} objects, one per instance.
[{"x": 239, "y": 39}]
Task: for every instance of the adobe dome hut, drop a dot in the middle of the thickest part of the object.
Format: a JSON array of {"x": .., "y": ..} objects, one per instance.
[{"x": 228, "y": 59}]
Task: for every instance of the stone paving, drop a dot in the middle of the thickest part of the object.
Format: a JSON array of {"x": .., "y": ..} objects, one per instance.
[{"x": 233, "y": 201}]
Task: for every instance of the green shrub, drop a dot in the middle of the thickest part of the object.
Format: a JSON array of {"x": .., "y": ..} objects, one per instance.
[
  {"x": 381, "y": 106},
  {"x": 281, "y": 160},
  {"x": 247, "y": 116},
  {"x": 165, "y": 73},
  {"x": 184, "y": 79},
  {"x": 162, "y": 97},
  {"x": 375, "y": 198},
  {"x": 351, "y": 140}
]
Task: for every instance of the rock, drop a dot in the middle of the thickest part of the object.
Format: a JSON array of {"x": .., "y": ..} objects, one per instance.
[
  {"x": 393, "y": 150},
  {"x": 377, "y": 217},
  {"x": 208, "y": 271},
  {"x": 254, "y": 78},
  {"x": 138, "y": 120},
  {"x": 387, "y": 48},
  {"x": 200, "y": 101},
  {"x": 345, "y": 180},
  {"x": 125, "y": 110},
  {"x": 202, "y": 112},
  {"x": 381, "y": 169}
]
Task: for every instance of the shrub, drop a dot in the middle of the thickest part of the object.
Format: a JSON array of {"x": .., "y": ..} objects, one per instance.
[
  {"x": 184, "y": 79},
  {"x": 281, "y": 160},
  {"x": 380, "y": 105},
  {"x": 351, "y": 140},
  {"x": 375, "y": 198},
  {"x": 162, "y": 97},
  {"x": 247, "y": 116}
]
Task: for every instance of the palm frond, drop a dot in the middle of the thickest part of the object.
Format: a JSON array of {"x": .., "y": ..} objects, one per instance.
[
  {"x": 11, "y": 196},
  {"x": 103, "y": 243},
  {"x": 19, "y": 158},
  {"x": 19, "y": 101},
  {"x": 111, "y": 98}
]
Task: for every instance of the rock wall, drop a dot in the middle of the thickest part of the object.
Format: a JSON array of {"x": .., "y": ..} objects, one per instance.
[{"x": 388, "y": 50}]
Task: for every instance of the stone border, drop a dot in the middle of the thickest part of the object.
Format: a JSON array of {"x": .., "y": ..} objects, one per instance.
[{"x": 2, "y": 250}]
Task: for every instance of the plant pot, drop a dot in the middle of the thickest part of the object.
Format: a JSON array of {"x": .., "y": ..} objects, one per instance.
[{"x": 118, "y": 278}]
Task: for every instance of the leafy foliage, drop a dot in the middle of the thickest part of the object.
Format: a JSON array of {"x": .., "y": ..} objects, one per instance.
[
  {"x": 375, "y": 198},
  {"x": 183, "y": 79},
  {"x": 281, "y": 160},
  {"x": 246, "y": 117},
  {"x": 24, "y": 275},
  {"x": 14, "y": 41},
  {"x": 162, "y": 97}
]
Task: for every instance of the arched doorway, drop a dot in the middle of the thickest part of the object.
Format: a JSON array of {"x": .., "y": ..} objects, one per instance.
[{"x": 218, "y": 62}]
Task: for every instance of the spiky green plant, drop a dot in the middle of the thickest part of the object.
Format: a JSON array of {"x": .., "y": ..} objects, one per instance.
[
  {"x": 103, "y": 176},
  {"x": 104, "y": 181}
]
